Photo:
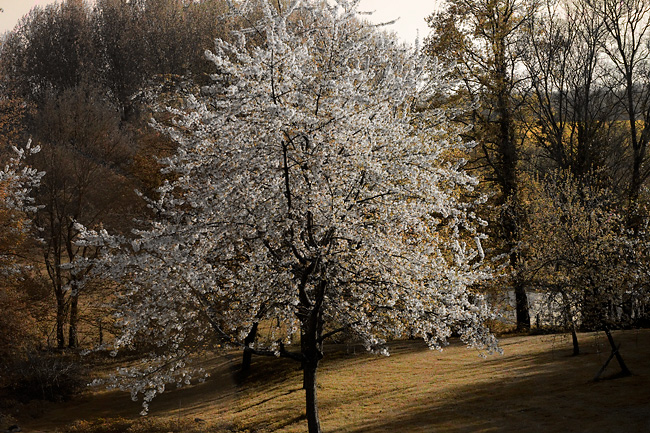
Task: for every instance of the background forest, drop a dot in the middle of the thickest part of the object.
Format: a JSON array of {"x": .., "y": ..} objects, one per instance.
[{"x": 552, "y": 96}]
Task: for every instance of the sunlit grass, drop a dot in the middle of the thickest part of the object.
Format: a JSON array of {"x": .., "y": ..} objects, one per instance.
[{"x": 536, "y": 385}]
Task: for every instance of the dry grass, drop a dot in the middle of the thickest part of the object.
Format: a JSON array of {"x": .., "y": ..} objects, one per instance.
[{"x": 535, "y": 386}]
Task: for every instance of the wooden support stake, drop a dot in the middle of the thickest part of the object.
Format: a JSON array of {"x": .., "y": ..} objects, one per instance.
[{"x": 611, "y": 356}]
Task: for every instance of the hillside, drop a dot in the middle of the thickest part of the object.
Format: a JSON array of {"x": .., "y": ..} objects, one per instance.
[{"x": 535, "y": 386}]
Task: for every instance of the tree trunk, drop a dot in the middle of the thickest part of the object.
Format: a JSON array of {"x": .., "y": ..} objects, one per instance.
[
  {"x": 312, "y": 354},
  {"x": 568, "y": 316},
  {"x": 511, "y": 220},
  {"x": 60, "y": 318},
  {"x": 311, "y": 347},
  {"x": 512, "y": 216},
  {"x": 574, "y": 338},
  {"x": 638, "y": 154},
  {"x": 247, "y": 358},
  {"x": 74, "y": 319},
  {"x": 521, "y": 304},
  {"x": 511, "y": 226},
  {"x": 309, "y": 378}
]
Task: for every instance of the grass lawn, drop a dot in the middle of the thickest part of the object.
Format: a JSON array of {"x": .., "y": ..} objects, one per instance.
[{"x": 536, "y": 386}]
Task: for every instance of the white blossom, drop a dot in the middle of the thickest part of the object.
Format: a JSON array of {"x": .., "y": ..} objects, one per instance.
[
  {"x": 17, "y": 180},
  {"x": 306, "y": 184}
]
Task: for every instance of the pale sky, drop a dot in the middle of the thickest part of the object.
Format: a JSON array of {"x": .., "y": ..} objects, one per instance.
[
  {"x": 411, "y": 14},
  {"x": 14, "y": 11}
]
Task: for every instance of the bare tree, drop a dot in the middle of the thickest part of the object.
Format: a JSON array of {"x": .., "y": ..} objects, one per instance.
[
  {"x": 483, "y": 39},
  {"x": 627, "y": 23},
  {"x": 572, "y": 104},
  {"x": 85, "y": 154}
]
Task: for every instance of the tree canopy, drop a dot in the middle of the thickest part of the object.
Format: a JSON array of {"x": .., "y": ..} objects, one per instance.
[{"x": 307, "y": 194}]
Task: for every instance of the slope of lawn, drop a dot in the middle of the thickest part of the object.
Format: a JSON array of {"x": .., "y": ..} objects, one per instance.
[{"x": 535, "y": 386}]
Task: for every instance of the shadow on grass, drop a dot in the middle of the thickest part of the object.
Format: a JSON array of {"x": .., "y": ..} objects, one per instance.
[
  {"x": 96, "y": 403},
  {"x": 535, "y": 387},
  {"x": 546, "y": 392}
]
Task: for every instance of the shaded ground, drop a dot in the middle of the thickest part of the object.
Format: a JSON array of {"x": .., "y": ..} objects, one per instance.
[{"x": 534, "y": 386}]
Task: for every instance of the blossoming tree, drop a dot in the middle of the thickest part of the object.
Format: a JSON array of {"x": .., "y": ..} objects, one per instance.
[
  {"x": 17, "y": 181},
  {"x": 307, "y": 195}
]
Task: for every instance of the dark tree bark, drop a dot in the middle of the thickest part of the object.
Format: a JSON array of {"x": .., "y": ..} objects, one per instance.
[
  {"x": 312, "y": 354},
  {"x": 313, "y": 421},
  {"x": 247, "y": 357},
  {"x": 574, "y": 339},
  {"x": 571, "y": 321},
  {"x": 489, "y": 70},
  {"x": 60, "y": 319},
  {"x": 512, "y": 218},
  {"x": 73, "y": 340},
  {"x": 522, "y": 310},
  {"x": 53, "y": 266},
  {"x": 311, "y": 343}
]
